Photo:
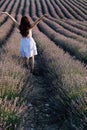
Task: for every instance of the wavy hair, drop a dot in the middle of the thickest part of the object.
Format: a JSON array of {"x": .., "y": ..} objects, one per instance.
[{"x": 25, "y": 25}]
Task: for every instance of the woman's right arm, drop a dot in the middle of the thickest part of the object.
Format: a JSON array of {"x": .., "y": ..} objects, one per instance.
[{"x": 16, "y": 23}]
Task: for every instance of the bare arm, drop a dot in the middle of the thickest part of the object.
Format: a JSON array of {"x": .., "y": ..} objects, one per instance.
[
  {"x": 37, "y": 21},
  {"x": 16, "y": 23}
]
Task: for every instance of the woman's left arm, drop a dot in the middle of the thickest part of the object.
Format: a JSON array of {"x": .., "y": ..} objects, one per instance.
[
  {"x": 38, "y": 21},
  {"x": 16, "y": 23}
]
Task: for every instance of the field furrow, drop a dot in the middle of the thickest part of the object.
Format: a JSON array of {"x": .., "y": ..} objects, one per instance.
[
  {"x": 58, "y": 28},
  {"x": 83, "y": 2},
  {"x": 11, "y": 7},
  {"x": 64, "y": 10},
  {"x": 50, "y": 12},
  {"x": 9, "y": 29},
  {"x": 38, "y": 8},
  {"x": 44, "y": 7},
  {"x": 7, "y": 25},
  {"x": 57, "y": 9},
  {"x": 24, "y": 7},
  {"x": 76, "y": 24},
  {"x": 68, "y": 44},
  {"x": 2, "y": 3},
  {"x": 27, "y": 8},
  {"x": 71, "y": 10},
  {"x": 79, "y": 6},
  {"x": 32, "y": 9},
  {"x": 53, "y": 9},
  {"x": 65, "y": 31},
  {"x": 56, "y": 61},
  {"x": 78, "y": 11},
  {"x": 65, "y": 24},
  {"x": 5, "y": 5}
]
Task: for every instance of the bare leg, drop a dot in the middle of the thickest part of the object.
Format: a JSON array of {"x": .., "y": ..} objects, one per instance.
[{"x": 31, "y": 62}]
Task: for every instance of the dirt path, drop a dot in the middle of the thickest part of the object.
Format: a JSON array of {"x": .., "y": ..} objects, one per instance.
[
  {"x": 40, "y": 114},
  {"x": 44, "y": 111}
]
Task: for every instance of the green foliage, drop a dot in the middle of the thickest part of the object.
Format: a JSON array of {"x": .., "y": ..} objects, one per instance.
[
  {"x": 9, "y": 94},
  {"x": 10, "y": 119},
  {"x": 77, "y": 93}
]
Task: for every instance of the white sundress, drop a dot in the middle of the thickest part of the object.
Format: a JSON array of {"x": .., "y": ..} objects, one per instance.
[{"x": 28, "y": 46}]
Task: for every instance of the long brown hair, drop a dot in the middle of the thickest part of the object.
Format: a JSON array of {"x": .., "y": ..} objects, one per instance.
[{"x": 24, "y": 26}]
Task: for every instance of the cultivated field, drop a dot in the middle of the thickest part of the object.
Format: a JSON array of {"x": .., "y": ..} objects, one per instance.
[{"x": 55, "y": 98}]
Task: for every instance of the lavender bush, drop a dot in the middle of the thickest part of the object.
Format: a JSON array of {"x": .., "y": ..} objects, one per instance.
[
  {"x": 44, "y": 7},
  {"x": 65, "y": 11},
  {"x": 68, "y": 26},
  {"x": 60, "y": 29},
  {"x": 68, "y": 44},
  {"x": 68, "y": 80},
  {"x": 76, "y": 16},
  {"x": 12, "y": 77},
  {"x": 78, "y": 11},
  {"x": 80, "y": 6},
  {"x": 57, "y": 9},
  {"x": 51, "y": 9},
  {"x": 11, "y": 82}
]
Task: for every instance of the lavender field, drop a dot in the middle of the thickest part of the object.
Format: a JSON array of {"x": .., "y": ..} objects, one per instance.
[{"x": 55, "y": 97}]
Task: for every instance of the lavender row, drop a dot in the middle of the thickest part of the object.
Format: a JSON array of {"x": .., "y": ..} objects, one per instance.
[
  {"x": 69, "y": 28},
  {"x": 57, "y": 9},
  {"x": 63, "y": 74},
  {"x": 51, "y": 10},
  {"x": 68, "y": 44},
  {"x": 78, "y": 11},
  {"x": 79, "y": 6},
  {"x": 65, "y": 24},
  {"x": 77, "y": 24},
  {"x": 64, "y": 10},
  {"x": 11, "y": 76},
  {"x": 72, "y": 12},
  {"x": 83, "y": 2},
  {"x": 11, "y": 82},
  {"x": 39, "y": 11},
  {"x": 63, "y": 61},
  {"x": 6, "y": 25},
  {"x": 32, "y": 9},
  {"x": 64, "y": 21},
  {"x": 76, "y": 45},
  {"x": 44, "y": 7},
  {"x": 2, "y": 3},
  {"x": 11, "y": 6},
  {"x": 27, "y": 7},
  {"x": 77, "y": 31},
  {"x": 5, "y": 5},
  {"x": 57, "y": 28},
  {"x": 10, "y": 28}
]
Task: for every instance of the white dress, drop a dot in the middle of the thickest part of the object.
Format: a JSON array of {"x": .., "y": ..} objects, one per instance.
[{"x": 28, "y": 46}]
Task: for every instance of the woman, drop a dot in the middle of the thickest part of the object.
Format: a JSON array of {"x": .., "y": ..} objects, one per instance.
[{"x": 28, "y": 47}]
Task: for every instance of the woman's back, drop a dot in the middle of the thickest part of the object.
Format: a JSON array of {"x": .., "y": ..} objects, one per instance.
[{"x": 30, "y": 33}]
